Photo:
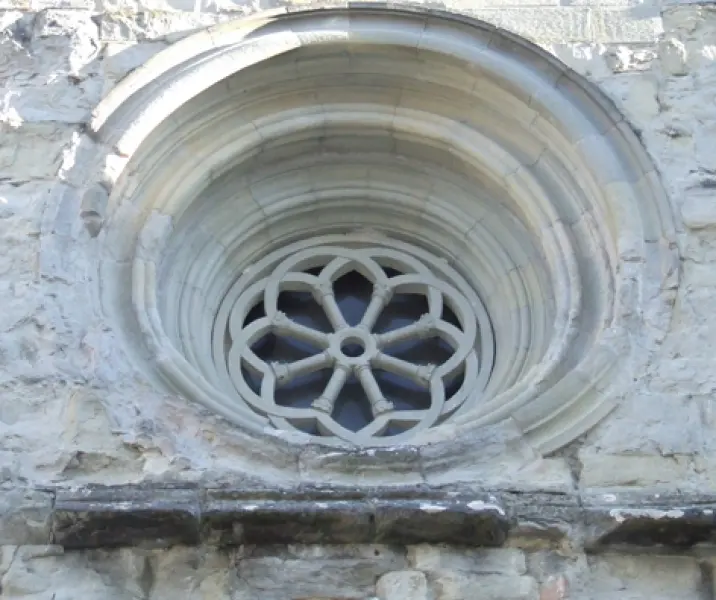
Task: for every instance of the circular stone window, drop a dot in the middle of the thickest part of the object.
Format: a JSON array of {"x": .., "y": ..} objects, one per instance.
[
  {"x": 366, "y": 227},
  {"x": 342, "y": 336}
]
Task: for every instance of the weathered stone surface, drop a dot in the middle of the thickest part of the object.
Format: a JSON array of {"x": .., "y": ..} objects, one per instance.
[
  {"x": 287, "y": 521},
  {"x": 362, "y": 572},
  {"x": 327, "y": 465},
  {"x": 672, "y": 528},
  {"x": 661, "y": 578},
  {"x": 345, "y": 572},
  {"x": 555, "y": 588},
  {"x": 491, "y": 587},
  {"x": 25, "y": 516},
  {"x": 165, "y": 516},
  {"x": 19, "y": 160},
  {"x": 441, "y": 558},
  {"x": 470, "y": 522},
  {"x": 42, "y": 572},
  {"x": 187, "y": 573},
  {"x": 106, "y": 517},
  {"x": 542, "y": 518},
  {"x": 402, "y": 585},
  {"x": 72, "y": 66},
  {"x": 150, "y": 25},
  {"x": 101, "y": 517},
  {"x": 74, "y": 412}
]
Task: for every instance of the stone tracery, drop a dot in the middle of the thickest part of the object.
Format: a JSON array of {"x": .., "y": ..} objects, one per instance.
[{"x": 355, "y": 349}]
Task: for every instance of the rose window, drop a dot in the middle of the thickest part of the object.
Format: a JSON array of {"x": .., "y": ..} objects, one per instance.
[
  {"x": 353, "y": 341},
  {"x": 305, "y": 220}
]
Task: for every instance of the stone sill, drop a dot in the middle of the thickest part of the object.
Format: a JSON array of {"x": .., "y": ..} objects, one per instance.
[{"x": 165, "y": 515}]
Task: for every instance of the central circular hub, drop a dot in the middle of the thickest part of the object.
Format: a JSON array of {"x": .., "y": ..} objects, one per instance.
[{"x": 353, "y": 347}]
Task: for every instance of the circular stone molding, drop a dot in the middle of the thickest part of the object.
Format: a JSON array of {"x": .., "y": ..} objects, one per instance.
[{"x": 433, "y": 155}]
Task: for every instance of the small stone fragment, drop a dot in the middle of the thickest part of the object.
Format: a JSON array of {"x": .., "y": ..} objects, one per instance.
[
  {"x": 673, "y": 56},
  {"x": 699, "y": 212}
]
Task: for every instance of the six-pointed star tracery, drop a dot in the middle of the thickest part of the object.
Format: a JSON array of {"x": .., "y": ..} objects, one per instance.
[{"x": 354, "y": 350}]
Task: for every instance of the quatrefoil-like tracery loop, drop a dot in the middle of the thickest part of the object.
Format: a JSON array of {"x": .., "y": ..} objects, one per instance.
[{"x": 355, "y": 350}]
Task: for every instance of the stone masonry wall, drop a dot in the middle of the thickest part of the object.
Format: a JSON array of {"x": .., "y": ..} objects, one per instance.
[
  {"x": 58, "y": 58},
  {"x": 347, "y": 573},
  {"x": 655, "y": 62}
]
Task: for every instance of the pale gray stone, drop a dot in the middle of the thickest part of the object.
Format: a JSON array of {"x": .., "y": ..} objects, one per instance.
[
  {"x": 42, "y": 573},
  {"x": 33, "y": 150},
  {"x": 459, "y": 586},
  {"x": 673, "y": 56},
  {"x": 350, "y": 577},
  {"x": 699, "y": 211},
  {"x": 403, "y": 585},
  {"x": 25, "y": 517},
  {"x": 76, "y": 407},
  {"x": 603, "y": 470},
  {"x": 151, "y": 25},
  {"x": 440, "y": 559},
  {"x": 203, "y": 575},
  {"x": 637, "y": 577}
]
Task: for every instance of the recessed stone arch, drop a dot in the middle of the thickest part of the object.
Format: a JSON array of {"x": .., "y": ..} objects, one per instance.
[{"x": 418, "y": 127}]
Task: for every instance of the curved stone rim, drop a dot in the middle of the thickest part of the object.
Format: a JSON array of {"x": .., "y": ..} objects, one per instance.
[{"x": 153, "y": 92}]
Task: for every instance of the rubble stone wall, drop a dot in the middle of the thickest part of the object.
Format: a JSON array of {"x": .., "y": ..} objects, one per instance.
[
  {"x": 68, "y": 418},
  {"x": 347, "y": 573}
]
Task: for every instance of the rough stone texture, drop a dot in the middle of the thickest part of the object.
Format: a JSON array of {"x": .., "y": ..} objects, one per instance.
[
  {"x": 166, "y": 516},
  {"x": 331, "y": 573},
  {"x": 170, "y": 515},
  {"x": 644, "y": 477},
  {"x": 402, "y": 584},
  {"x": 25, "y": 515},
  {"x": 58, "y": 361}
]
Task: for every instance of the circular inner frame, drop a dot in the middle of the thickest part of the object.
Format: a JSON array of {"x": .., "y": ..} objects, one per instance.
[{"x": 354, "y": 353}]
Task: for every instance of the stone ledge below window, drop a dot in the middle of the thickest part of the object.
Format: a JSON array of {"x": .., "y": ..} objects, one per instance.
[{"x": 162, "y": 515}]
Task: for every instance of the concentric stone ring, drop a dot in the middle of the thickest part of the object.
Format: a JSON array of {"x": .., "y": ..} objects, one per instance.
[{"x": 269, "y": 155}]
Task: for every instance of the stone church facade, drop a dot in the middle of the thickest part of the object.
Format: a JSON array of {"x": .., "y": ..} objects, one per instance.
[{"x": 328, "y": 301}]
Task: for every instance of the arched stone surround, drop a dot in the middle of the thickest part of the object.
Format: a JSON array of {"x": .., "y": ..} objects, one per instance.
[{"x": 500, "y": 159}]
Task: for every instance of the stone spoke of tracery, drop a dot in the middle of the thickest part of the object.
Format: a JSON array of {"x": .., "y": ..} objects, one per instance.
[
  {"x": 422, "y": 328},
  {"x": 277, "y": 361},
  {"x": 282, "y": 325},
  {"x": 287, "y": 372}
]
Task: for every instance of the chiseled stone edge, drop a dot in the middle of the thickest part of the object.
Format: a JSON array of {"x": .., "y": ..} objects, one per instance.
[
  {"x": 162, "y": 515},
  {"x": 116, "y": 516},
  {"x": 631, "y": 520}
]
